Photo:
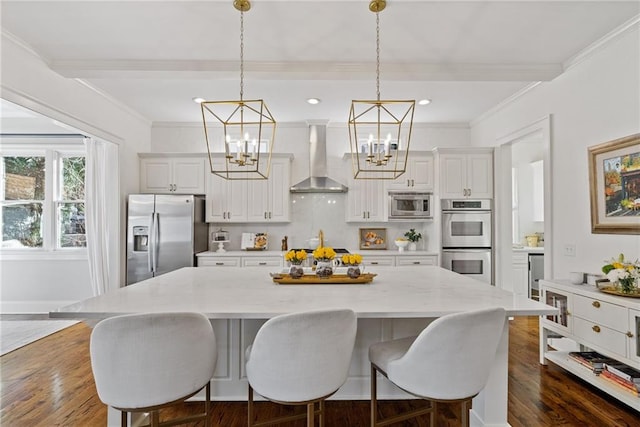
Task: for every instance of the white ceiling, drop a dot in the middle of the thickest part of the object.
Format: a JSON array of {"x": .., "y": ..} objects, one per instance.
[{"x": 467, "y": 56}]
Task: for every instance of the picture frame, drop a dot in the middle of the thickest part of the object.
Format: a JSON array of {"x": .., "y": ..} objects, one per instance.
[
  {"x": 614, "y": 186},
  {"x": 372, "y": 238}
]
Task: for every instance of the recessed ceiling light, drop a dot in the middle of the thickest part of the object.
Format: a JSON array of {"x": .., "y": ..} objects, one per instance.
[
  {"x": 313, "y": 101},
  {"x": 198, "y": 100},
  {"x": 424, "y": 102}
]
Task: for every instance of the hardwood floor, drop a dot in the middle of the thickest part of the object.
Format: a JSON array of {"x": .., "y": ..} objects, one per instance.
[{"x": 49, "y": 383}]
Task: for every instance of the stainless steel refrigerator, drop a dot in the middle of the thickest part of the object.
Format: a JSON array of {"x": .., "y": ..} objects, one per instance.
[{"x": 164, "y": 232}]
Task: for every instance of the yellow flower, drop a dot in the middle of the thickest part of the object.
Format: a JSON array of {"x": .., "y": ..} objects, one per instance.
[
  {"x": 618, "y": 265},
  {"x": 324, "y": 253},
  {"x": 295, "y": 257},
  {"x": 351, "y": 259}
]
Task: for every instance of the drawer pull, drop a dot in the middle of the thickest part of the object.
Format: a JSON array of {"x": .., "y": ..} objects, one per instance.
[
  {"x": 416, "y": 262},
  {"x": 596, "y": 304},
  {"x": 262, "y": 263},
  {"x": 629, "y": 334},
  {"x": 374, "y": 262},
  {"x": 219, "y": 263},
  {"x": 596, "y": 329}
]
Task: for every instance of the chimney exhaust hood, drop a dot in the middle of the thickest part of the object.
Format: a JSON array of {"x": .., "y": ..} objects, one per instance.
[{"x": 318, "y": 181}]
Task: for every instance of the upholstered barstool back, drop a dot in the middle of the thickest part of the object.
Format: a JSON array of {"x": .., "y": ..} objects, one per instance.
[
  {"x": 301, "y": 358},
  {"x": 143, "y": 362},
  {"x": 449, "y": 361}
]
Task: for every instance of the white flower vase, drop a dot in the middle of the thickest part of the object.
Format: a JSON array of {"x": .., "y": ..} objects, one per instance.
[
  {"x": 412, "y": 246},
  {"x": 324, "y": 269}
]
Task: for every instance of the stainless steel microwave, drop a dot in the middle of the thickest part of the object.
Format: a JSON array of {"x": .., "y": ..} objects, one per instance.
[{"x": 407, "y": 205}]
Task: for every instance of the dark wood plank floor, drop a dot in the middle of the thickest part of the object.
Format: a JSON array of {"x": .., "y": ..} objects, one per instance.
[{"x": 49, "y": 383}]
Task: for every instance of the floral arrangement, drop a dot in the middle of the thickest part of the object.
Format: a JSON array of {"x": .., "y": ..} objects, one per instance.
[
  {"x": 412, "y": 235},
  {"x": 351, "y": 259},
  {"x": 324, "y": 253},
  {"x": 625, "y": 274},
  {"x": 295, "y": 258}
]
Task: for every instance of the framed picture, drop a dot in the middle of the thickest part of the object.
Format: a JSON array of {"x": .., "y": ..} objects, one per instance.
[
  {"x": 614, "y": 181},
  {"x": 373, "y": 238}
]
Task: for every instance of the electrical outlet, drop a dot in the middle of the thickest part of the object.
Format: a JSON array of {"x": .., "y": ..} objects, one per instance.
[{"x": 569, "y": 249}]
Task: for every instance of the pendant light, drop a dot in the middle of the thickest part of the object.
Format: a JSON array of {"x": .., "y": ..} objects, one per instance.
[
  {"x": 243, "y": 130},
  {"x": 380, "y": 130}
]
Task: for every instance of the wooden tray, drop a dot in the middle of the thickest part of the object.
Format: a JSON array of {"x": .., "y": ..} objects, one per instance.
[{"x": 312, "y": 279}]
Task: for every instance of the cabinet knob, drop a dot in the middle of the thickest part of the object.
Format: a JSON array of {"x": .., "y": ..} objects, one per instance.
[
  {"x": 596, "y": 328},
  {"x": 629, "y": 334},
  {"x": 596, "y": 304}
]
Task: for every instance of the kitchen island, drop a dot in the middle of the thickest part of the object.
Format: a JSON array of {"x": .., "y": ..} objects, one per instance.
[{"x": 399, "y": 302}]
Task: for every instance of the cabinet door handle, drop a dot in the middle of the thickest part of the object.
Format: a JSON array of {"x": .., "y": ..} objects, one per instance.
[
  {"x": 413, "y": 183},
  {"x": 596, "y": 328},
  {"x": 596, "y": 304},
  {"x": 368, "y": 215},
  {"x": 408, "y": 185},
  {"x": 224, "y": 215},
  {"x": 265, "y": 215},
  {"x": 228, "y": 215},
  {"x": 269, "y": 215},
  {"x": 629, "y": 334}
]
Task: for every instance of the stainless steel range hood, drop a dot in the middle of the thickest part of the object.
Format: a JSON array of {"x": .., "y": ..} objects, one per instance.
[{"x": 318, "y": 181}]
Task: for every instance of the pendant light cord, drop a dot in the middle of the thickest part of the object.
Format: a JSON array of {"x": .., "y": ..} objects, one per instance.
[
  {"x": 378, "y": 54},
  {"x": 241, "y": 55}
]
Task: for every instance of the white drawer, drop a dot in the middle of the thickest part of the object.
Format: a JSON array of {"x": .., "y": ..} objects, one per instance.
[
  {"x": 602, "y": 313},
  {"x": 218, "y": 261},
  {"x": 384, "y": 261},
  {"x": 262, "y": 262},
  {"x": 600, "y": 335},
  {"x": 416, "y": 260},
  {"x": 520, "y": 258}
]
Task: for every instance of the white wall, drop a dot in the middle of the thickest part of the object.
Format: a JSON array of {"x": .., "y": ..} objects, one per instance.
[
  {"x": 41, "y": 284},
  {"x": 595, "y": 101}
]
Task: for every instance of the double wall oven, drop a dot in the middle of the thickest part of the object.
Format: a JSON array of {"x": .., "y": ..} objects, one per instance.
[{"x": 467, "y": 238}]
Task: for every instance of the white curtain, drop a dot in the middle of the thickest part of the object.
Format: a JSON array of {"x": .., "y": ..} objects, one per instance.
[{"x": 97, "y": 214}]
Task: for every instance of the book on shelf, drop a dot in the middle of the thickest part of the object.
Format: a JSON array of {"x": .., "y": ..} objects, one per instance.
[
  {"x": 591, "y": 359},
  {"x": 627, "y": 385},
  {"x": 623, "y": 371}
]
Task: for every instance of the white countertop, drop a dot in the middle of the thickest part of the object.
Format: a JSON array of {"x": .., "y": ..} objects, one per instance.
[
  {"x": 364, "y": 253},
  {"x": 529, "y": 249},
  {"x": 250, "y": 293}
]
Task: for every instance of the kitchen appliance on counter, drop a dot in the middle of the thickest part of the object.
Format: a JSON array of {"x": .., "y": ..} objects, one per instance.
[
  {"x": 408, "y": 205},
  {"x": 164, "y": 233},
  {"x": 467, "y": 237}
]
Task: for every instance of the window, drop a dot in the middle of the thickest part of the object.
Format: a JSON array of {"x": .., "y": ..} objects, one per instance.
[{"x": 42, "y": 197}]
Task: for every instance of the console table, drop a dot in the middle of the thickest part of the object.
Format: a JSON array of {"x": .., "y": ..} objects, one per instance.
[{"x": 601, "y": 322}]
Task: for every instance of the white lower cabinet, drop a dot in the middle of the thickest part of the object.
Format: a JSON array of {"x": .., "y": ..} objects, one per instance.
[
  {"x": 596, "y": 321},
  {"x": 275, "y": 262},
  {"x": 520, "y": 271},
  {"x": 399, "y": 260}
]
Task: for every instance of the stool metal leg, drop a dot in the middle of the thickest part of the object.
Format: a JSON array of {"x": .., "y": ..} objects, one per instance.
[
  {"x": 374, "y": 397},
  {"x": 250, "y": 407},
  {"x": 123, "y": 418}
]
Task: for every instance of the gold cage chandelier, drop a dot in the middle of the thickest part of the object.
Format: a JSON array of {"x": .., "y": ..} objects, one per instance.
[
  {"x": 243, "y": 130},
  {"x": 380, "y": 130}
]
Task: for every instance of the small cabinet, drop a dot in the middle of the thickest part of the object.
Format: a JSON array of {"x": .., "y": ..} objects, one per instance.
[
  {"x": 403, "y": 261},
  {"x": 520, "y": 273},
  {"x": 166, "y": 174},
  {"x": 561, "y": 300},
  {"x": 269, "y": 199},
  {"x": 226, "y": 198},
  {"x": 465, "y": 173},
  {"x": 212, "y": 261},
  {"x": 366, "y": 201},
  {"x": 419, "y": 174}
]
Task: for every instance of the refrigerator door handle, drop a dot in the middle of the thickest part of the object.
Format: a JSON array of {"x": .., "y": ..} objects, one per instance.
[
  {"x": 155, "y": 231},
  {"x": 152, "y": 244}
]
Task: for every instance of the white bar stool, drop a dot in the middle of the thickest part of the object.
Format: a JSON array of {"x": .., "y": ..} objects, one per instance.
[
  {"x": 448, "y": 362},
  {"x": 300, "y": 359},
  {"x": 145, "y": 362}
]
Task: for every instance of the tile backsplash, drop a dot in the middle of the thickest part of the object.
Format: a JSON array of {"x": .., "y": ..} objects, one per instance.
[{"x": 322, "y": 211}]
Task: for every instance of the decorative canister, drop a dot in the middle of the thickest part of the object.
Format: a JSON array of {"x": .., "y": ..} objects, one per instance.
[
  {"x": 354, "y": 271},
  {"x": 324, "y": 269},
  {"x": 296, "y": 271}
]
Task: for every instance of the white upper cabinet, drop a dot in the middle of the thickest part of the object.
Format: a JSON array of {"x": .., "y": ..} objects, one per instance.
[
  {"x": 419, "y": 174},
  {"x": 465, "y": 173},
  {"x": 226, "y": 199},
  {"x": 366, "y": 200},
  {"x": 269, "y": 199},
  {"x": 166, "y": 174},
  {"x": 240, "y": 201}
]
